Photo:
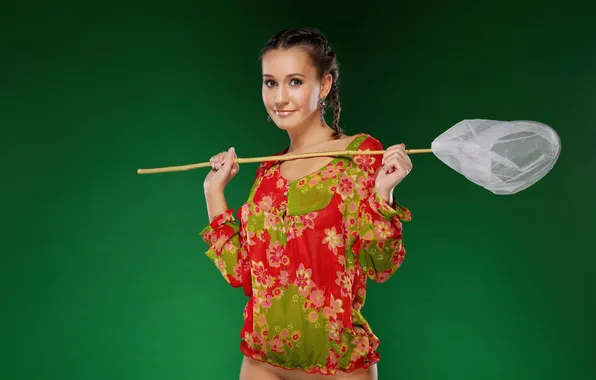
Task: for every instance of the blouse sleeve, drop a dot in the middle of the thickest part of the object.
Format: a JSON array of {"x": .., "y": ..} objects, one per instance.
[
  {"x": 225, "y": 247},
  {"x": 377, "y": 226}
]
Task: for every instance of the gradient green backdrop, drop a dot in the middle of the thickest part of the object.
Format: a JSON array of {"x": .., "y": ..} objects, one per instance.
[{"x": 103, "y": 271}]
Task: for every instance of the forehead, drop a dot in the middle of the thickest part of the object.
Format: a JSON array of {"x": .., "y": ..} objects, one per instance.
[{"x": 280, "y": 62}]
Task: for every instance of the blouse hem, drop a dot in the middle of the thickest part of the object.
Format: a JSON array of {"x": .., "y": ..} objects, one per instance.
[{"x": 318, "y": 370}]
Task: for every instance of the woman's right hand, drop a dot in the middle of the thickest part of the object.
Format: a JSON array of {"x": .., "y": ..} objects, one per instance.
[{"x": 223, "y": 169}]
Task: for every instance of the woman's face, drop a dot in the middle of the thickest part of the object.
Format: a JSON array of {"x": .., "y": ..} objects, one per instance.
[{"x": 291, "y": 87}]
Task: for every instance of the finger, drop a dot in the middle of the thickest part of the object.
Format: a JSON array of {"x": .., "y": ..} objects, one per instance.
[
  {"x": 228, "y": 160},
  {"x": 395, "y": 165},
  {"x": 398, "y": 149},
  {"x": 395, "y": 147},
  {"x": 404, "y": 160},
  {"x": 389, "y": 156},
  {"x": 403, "y": 157},
  {"x": 220, "y": 159},
  {"x": 215, "y": 162},
  {"x": 235, "y": 167},
  {"x": 401, "y": 150},
  {"x": 397, "y": 154}
]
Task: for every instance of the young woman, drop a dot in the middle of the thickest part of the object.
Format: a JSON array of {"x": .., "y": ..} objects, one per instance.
[{"x": 312, "y": 230}]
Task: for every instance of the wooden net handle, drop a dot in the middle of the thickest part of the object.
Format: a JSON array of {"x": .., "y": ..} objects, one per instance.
[{"x": 275, "y": 158}]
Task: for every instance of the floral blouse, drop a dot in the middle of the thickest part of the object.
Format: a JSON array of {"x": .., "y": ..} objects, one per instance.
[{"x": 302, "y": 252}]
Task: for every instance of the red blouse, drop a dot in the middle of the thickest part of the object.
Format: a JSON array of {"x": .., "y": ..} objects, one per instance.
[{"x": 302, "y": 252}]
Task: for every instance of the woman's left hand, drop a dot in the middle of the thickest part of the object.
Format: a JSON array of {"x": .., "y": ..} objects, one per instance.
[{"x": 396, "y": 165}]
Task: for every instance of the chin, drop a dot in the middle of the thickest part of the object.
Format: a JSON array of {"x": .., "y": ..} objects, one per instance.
[
  {"x": 288, "y": 125},
  {"x": 284, "y": 125},
  {"x": 291, "y": 122}
]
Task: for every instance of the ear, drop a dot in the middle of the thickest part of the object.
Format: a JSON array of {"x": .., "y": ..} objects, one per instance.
[{"x": 326, "y": 83}]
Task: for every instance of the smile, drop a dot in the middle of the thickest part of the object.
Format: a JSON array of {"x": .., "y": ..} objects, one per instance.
[{"x": 284, "y": 112}]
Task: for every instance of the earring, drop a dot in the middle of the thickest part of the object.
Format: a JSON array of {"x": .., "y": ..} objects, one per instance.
[
  {"x": 268, "y": 118},
  {"x": 322, "y": 105}
]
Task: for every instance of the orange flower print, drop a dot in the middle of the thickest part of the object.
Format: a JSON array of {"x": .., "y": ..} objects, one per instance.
[
  {"x": 334, "y": 308},
  {"x": 267, "y": 301},
  {"x": 270, "y": 222},
  {"x": 346, "y": 186},
  {"x": 383, "y": 229},
  {"x": 308, "y": 221},
  {"x": 352, "y": 207},
  {"x": 284, "y": 334},
  {"x": 345, "y": 283},
  {"x": 248, "y": 338},
  {"x": 270, "y": 281},
  {"x": 260, "y": 273},
  {"x": 360, "y": 343},
  {"x": 274, "y": 254},
  {"x": 245, "y": 213},
  {"x": 335, "y": 330},
  {"x": 266, "y": 203},
  {"x": 332, "y": 171},
  {"x": 312, "y": 316},
  {"x": 284, "y": 277},
  {"x": 332, "y": 360},
  {"x": 262, "y": 321},
  {"x": 363, "y": 186},
  {"x": 332, "y": 239},
  {"x": 238, "y": 271},
  {"x": 316, "y": 298},
  {"x": 277, "y": 293},
  {"x": 303, "y": 281},
  {"x": 285, "y": 260},
  {"x": 258, "y": 341},
  {"x": 280, "y": 183},
  {"x": 276, "y": 345},
  {"x": 365, "y": 162}
]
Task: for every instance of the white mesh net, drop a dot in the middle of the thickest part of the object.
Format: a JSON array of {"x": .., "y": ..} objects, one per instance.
[{"x": 503, "y": 157}]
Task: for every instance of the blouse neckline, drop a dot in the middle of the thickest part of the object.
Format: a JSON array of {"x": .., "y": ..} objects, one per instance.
[{"x": 350, "y": 146}]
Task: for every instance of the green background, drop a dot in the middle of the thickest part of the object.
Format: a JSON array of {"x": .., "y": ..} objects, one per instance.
[{"x": 103, "y": 271}]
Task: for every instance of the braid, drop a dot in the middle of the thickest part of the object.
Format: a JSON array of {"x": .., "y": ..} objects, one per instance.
[{"x": 336, "y": 110}]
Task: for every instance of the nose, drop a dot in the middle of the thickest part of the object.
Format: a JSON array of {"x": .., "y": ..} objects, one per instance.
[{"x": 281, "y": 98}]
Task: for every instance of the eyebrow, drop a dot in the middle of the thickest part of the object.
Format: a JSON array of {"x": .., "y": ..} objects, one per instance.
[{"x": 289, "y": 75}]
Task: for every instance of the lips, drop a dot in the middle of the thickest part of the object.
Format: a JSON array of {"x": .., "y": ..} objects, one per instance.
[{"x": 284, "y": 112}]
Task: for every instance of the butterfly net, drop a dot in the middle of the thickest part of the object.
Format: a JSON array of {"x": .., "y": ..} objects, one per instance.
[{"x": 503, "y": 157}]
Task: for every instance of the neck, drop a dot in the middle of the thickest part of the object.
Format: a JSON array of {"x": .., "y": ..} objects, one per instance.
[{"x": 311, "y": 134}]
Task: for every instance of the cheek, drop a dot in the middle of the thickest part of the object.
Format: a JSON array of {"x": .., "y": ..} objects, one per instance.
[
  {"x": 314, "y": 100},
  {"x": 267, "y": 97},
  {"x": 306, "y": 98}
]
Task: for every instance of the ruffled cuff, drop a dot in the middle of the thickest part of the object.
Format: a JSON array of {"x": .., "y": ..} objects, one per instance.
[
  {"x": 389, "y": 211},
  {"x": 221, "y": 224}
]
